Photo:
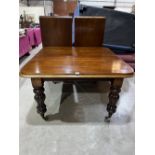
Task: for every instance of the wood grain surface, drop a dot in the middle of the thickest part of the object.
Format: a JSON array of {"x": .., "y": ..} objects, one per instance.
[
  {"x": 89, "y": 31},
  {"x": 56, "y": 31},
  {"x": 76, "y": 62}
]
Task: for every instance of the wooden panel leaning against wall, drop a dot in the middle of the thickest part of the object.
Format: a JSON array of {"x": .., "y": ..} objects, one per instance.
[
  {"x": 89, "y": 31},
  {"x": 56, "y": 31}
]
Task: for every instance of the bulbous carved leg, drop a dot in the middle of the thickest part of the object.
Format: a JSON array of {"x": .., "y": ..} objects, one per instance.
[
  {"x": 115, "y": 89},
  {"x": 39, "y": 95}
]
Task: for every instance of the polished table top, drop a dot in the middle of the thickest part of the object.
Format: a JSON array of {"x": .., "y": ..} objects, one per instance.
[{"x": 76, "y": 62}]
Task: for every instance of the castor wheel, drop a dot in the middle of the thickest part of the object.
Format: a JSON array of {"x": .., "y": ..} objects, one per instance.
[
  {"x": 44, "y": 117},
  {"x": 107, "y": 119}
]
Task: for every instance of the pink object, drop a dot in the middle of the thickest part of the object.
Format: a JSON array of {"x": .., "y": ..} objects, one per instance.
[
  {"x": 127, "y": 57},
  {"x": 30, "y": 34},
  {"x": 32, "y": 38},
  {"x": 24, "y": 45},
  {"x": 37, "y": 36}
]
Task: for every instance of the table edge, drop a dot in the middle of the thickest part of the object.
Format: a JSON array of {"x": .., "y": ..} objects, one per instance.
[{"x": 78, "y": 76}]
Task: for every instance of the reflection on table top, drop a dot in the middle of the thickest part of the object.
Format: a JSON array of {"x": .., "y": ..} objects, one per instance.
[{"x": 76, "y": 62}]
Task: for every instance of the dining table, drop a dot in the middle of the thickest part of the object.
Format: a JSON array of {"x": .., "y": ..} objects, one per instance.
[{"x": 74, "y": 64}]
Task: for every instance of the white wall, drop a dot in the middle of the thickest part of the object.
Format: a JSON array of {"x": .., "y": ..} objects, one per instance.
[
  {"x": 37, "y": 11},
  {"x": 39, "y": 3}
]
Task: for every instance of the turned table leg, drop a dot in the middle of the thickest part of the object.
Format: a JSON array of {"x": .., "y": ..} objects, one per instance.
[
  {"x": 115, "y": 89},
  {"x": 38, "y": 89}
]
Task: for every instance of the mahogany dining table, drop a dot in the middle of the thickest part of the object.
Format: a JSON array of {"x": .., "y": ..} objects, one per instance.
[{"x": 73, "y": 64}]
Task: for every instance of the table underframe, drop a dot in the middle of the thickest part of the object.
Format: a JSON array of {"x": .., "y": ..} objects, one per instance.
[{"x": 39, "y": 95}]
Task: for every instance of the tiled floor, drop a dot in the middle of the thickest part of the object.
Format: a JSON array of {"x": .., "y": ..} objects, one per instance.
[{"x": 79, "y": 128}]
